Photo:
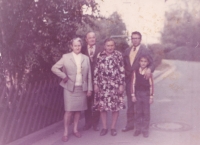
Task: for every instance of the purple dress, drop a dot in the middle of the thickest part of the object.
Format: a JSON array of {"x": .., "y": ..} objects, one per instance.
[{"x": 109, "y": 75}]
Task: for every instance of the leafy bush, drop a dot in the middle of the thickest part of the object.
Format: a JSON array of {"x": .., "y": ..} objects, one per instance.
[
  {"x": 34, "y": 34},
  {"x": 112, "y": 26},
  {"x": 184, "y": 53},
  {"x": 181, "y": 36},
  {"x": 158, "y": 53}
]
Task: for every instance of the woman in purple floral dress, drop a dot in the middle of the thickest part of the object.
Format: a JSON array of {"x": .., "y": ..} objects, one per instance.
[{"x": 109, "y": 84}]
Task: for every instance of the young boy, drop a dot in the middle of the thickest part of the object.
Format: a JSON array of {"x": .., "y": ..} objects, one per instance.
[{"x": 142, "y": 95}]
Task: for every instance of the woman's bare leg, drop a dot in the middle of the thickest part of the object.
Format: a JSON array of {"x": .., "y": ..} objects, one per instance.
[
  {"x": 77, "y": 115},
  {"x": 115, "y": 115},
  {"x": 67, "y": 117},
  {"x": 104, "y": 119}
]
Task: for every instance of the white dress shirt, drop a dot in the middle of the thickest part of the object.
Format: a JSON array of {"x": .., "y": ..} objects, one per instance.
[{"x": 77, "y": 58}]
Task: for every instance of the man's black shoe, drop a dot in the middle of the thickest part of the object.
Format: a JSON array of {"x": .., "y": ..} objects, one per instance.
[
  {"x": 86, "y": 127},
  {"x": 113, "y": 132},
  {"x": 145, "y": 134},
  {"x": 103, "y": 132},
  {"x": 125, "y": 129},
  {"x": 137, "y": 132},
  {"x": 95, "y": 128}
]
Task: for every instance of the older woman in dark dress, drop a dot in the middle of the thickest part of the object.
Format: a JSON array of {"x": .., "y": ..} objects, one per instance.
[{"x": 109, "y": 84}]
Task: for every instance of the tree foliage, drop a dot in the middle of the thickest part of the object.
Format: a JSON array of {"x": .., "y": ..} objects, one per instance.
[
  {"x": 181, "y": 35},
  {"x": 113, "y": 26},
  {"x": 34, "y": 34}
]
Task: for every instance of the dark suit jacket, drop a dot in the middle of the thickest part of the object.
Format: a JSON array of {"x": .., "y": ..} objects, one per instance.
[
  {"x": 128, "y": 68},
  {"x": 92, "y": 63}
]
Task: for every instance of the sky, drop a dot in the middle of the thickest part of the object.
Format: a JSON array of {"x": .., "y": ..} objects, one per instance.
[{"x": 146, "y": 16}]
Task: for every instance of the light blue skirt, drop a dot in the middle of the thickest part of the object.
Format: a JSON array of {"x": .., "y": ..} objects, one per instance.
[{"x": 76, "y": 100}]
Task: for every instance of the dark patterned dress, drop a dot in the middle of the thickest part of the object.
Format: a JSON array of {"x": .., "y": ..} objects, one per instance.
[{"x": 109, "y": 75}]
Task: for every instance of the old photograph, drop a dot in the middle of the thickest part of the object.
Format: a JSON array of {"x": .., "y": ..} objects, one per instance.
[{"x": 99, "y": 72}]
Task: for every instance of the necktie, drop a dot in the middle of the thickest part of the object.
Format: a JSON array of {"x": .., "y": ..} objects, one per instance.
[
  {"x": 91, "y": 53},
  {"x": 132, "y": 55}
]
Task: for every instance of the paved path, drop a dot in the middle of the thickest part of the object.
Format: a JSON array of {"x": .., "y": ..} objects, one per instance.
[
  {"x": 177, "y": 102},
  {"x": 175, "y": 117}
]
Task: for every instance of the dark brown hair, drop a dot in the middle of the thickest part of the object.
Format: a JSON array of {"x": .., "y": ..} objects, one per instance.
[
  {"x": 137, "y": 33},
  {"x": 109, "y": 39}
]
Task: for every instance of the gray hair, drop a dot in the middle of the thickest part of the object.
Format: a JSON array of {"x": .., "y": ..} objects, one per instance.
[
  {"x": 77, "y": 39},
  {"x": 89, "y": 33},
  {"x": 109, "y": 39}
]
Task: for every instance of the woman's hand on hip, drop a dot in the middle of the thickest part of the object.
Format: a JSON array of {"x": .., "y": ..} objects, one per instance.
[{"x": 65, "y": 79}]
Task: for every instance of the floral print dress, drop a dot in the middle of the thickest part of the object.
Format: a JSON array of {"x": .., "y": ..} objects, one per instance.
[{"x": 109, "y": 75}]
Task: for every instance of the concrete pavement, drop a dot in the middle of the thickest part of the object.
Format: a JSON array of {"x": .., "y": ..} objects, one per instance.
[
  {"x": 174, "y": 115},
  {"x": 177, "y": 98}
]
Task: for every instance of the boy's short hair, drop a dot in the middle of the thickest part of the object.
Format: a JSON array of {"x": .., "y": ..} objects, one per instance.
[{"x": 146, "y": 57}]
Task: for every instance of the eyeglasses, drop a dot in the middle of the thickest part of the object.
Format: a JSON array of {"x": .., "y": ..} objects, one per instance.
[{"x": 135, "y": 38}]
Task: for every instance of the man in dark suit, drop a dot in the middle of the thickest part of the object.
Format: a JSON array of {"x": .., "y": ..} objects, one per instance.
[
  {"x": 131, "y": 62},
  {"x": 91, "y": 50}
]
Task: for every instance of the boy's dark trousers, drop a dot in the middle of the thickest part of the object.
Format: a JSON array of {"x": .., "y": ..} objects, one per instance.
[{"x": 142, "y": 111}]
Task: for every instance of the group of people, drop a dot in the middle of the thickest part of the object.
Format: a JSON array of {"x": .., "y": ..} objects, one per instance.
[{"x": 94, "y": 79}]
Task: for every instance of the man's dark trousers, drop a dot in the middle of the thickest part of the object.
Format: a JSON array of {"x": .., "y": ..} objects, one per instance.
[
  {"x": 91, "y": 116},
  {"x": 129, "y": 70},
  {"x": 130, "y": 109}
]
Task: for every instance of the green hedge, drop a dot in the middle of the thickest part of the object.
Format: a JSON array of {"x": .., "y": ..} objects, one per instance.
[{"x": 158, "y": 53}]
